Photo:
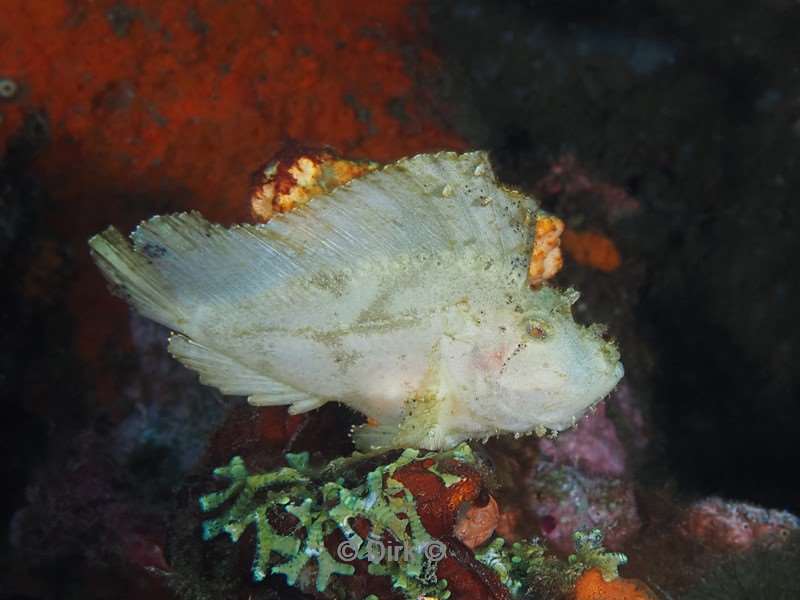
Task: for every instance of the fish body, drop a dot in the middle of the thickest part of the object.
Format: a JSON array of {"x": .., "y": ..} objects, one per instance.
[{"x": 402, "y": 294}]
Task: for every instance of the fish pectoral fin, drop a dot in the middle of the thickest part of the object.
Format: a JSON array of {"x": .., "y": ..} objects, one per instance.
[
  {"x": 231, "y": 377},
  {"x": 300, "y": 406},
  {"x": 368, "y": 437},
  {"x": 419, "y": 426}
]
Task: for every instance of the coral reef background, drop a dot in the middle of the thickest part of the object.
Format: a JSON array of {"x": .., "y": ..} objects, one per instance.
[{"x": 665, "y": 133}]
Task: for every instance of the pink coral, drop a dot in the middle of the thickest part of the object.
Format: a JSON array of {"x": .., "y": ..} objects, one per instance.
[
  {"x": 565, "y": 501},
  {"x": 731, "y": 526},
  {"x": 580, "y": 482},
  {"x": 567, "y": 176},
  {"x": 593, "y": 445}
]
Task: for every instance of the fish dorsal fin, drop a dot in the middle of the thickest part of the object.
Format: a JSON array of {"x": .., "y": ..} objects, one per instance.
[{"x": 417, "y": 205}]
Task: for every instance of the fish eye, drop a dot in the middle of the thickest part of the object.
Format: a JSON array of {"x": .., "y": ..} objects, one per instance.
[{"x": 537, "y": 330}]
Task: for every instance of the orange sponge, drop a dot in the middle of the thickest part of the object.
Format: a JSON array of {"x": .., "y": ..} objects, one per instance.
[{"x": 592, "y": 586}]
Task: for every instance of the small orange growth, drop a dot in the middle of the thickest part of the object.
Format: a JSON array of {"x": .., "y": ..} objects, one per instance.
[
  {"x": 592, "y": 586},
  {"x": 546, "y": 259},
  {"x": 592, "y": 249},
  {"x": 477, "y": 524},
  {"x": 296, "y": 176}
]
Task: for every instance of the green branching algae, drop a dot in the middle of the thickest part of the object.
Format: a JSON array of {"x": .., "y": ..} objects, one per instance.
[
  {"x": 526, "y": 565},
  {"x": 320, "y": 509},
  {"x": 305, "y": 523}
]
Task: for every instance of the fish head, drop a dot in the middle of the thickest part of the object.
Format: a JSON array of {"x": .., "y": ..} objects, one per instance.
[{"x": 552, "y": 369}]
